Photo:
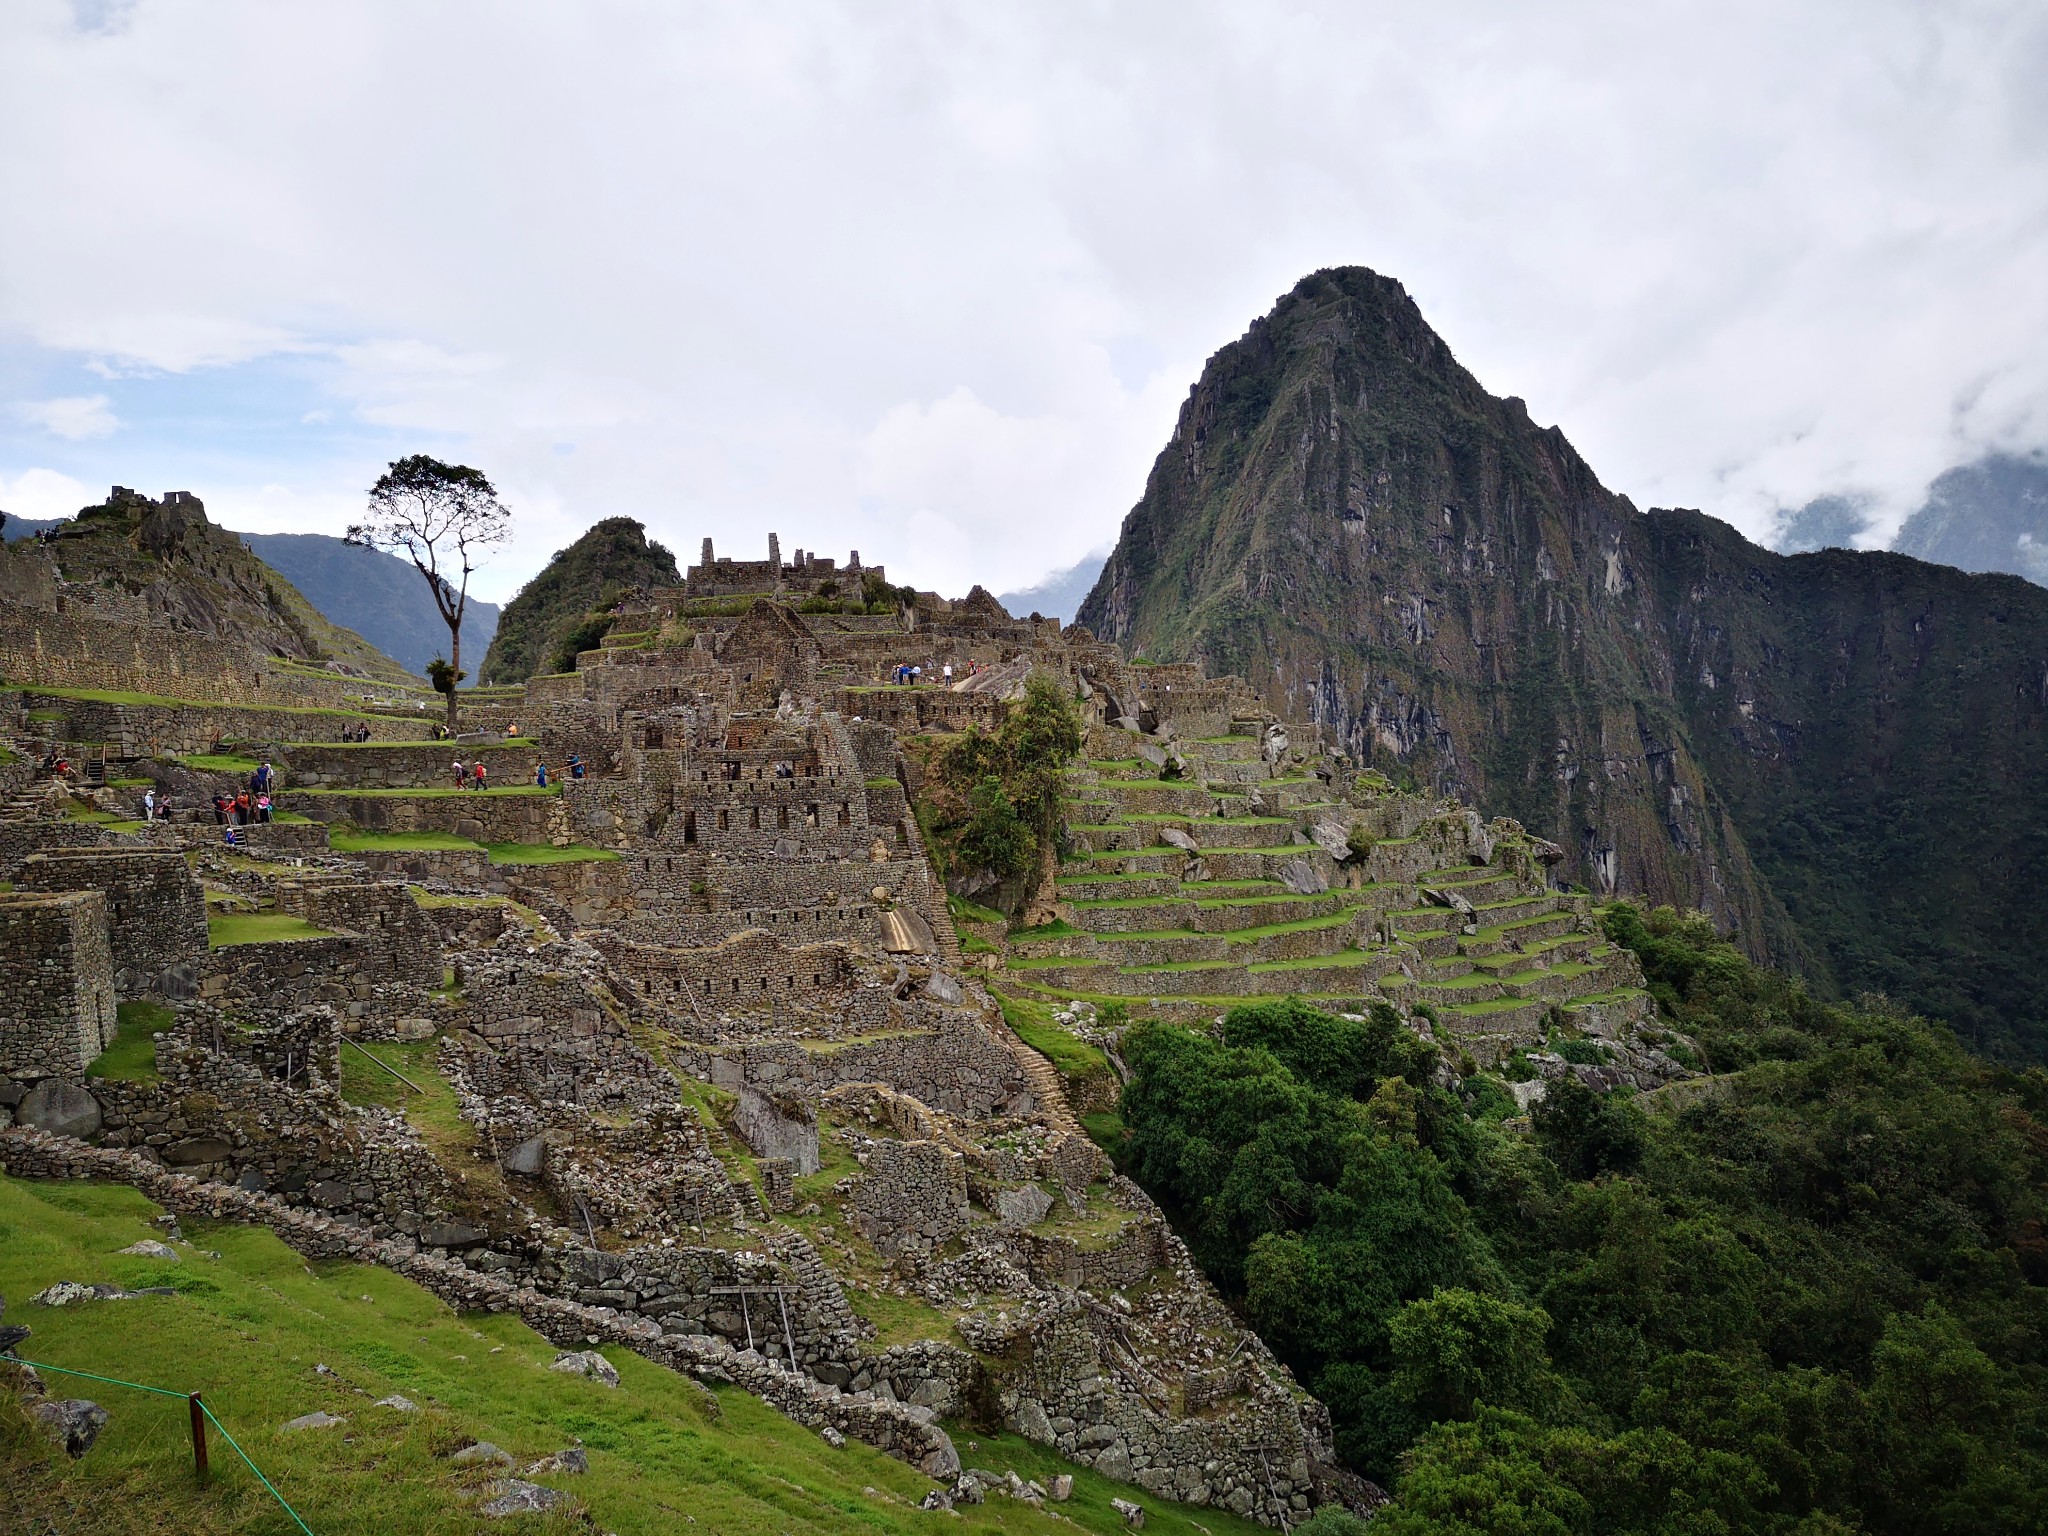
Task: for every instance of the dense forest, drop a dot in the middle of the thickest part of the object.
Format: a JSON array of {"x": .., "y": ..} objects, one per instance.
[{"x": 1809, "y": 1294}]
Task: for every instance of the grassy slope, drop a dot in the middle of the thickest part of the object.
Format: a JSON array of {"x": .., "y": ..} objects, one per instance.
[{"x": 249, "y": 1327}]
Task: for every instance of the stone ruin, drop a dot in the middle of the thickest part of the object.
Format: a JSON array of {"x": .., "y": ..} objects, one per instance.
[{"x": 725, "y": 1073}]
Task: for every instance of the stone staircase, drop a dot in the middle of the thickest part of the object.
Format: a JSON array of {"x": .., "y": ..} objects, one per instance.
[{"x": 1185, "y": 896}]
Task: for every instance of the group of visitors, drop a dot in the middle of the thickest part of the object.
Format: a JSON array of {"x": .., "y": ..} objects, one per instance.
[
  {"x": 910, "y": 674},
  {"x": 241, "y": 808},
  {"x": 475, "y": 776},
  {"x": 355, "y": 733}
]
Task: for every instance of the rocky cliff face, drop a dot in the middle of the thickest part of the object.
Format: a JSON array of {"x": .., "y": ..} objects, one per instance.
[{"x": 1346, "y": 518}]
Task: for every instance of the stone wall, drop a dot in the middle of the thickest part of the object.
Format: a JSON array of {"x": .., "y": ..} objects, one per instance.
[
  {"x": 957, "y": 1066},
  {"x": 156, "y": 910},
  {"x": 422, "y": 765},
  {"x": 911, "y": 1196},
  {"x": 489, "y": 817},
  {"x": 56, "y": 983},
  {"x": 399, "y": 942},
  {"x": 176, "y": 727},
  {"x": 753, "y": 969},
  {"x": 19, "y": 839}
]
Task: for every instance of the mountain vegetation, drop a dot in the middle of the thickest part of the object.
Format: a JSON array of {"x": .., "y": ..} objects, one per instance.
[
  {"x": 1842, "y": 758},
  {"x": 1809, "y": 1294},
  {"x": 561, "y": 611},
  {"x": 371, "y": 593}
]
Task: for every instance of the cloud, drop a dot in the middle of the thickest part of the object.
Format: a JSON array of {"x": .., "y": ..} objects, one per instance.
[
  {"x": 43, "y": 493},
  {"x": 936, "y": 279},
  {"x": 71, "y": 416}
]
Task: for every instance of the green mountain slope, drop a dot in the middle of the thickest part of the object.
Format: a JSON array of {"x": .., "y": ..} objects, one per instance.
[
  {"x": 372, "y": 593},
  {"x": 536, "y": 625},
  {"x": 1347, "y": 518},
  {"x": 166, "y": 561}
]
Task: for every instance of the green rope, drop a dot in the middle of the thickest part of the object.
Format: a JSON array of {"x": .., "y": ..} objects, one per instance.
[
  {"x": 253, "y": 1467},
  {"x": 110, "y": 1381},
  {"x": 203, "y": 1408}
]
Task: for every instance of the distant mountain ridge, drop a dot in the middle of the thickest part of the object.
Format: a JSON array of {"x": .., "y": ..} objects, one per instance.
[
  {"x": 1059, "y": 595},
  {"x": 1842, "y": 757},
  {"x": 375, "y": 594}
]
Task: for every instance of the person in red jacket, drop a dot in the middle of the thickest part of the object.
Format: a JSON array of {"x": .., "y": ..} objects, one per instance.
[{"x": 479, "y": 772}]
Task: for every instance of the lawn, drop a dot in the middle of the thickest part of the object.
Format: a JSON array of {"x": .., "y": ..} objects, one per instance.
[
  {"x": 132, "y": 1056},
  {"x": 224, "y": 929},
  {"x": 437, "y": 793},
  {"x": 217, "y": 762},
  {"x": 547, "y": 853},
  {"x": 252, "y": 1320}
]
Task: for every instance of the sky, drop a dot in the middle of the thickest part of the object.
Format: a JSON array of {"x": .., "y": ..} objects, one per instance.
[{"x": 931, "y": 281}]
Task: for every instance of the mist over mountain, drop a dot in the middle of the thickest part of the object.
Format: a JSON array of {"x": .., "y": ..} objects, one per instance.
[
  {"x": 1059, "y": 595},
  {"x": 1988, "y": 516},
  {"x": 1842, "y": 757},
  {"x": 375, "y": 594}
]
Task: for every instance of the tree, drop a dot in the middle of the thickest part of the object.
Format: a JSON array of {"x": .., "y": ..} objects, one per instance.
[{"x": 437, "y": 515}]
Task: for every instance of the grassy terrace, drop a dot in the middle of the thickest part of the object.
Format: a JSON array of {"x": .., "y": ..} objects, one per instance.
[
  {"x": 435, "y": 842},
  {"x": 230, "y": 928},
  {"x": 249, "y": 1325}
]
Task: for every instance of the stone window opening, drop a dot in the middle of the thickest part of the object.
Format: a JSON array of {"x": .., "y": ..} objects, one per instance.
[
  {"x": 845, "y": 814},
  {"x": 689, "y": 830},
  {"x": 725, "y": 821},
  {"x": 757, "y": 818},
  {"x": 810, "y": 815},
  {"x": 782, "y": 818}
]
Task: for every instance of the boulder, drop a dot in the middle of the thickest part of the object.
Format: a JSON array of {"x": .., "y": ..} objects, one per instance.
[
  {"x": 1134, "y": 1514},
  {"x": 73, "y": 1422},
  {"x": 1528, "y": 1095},
  {"x": 62, "y": 1109},
  {"x": 1061, "y": 1487},
  {"x": 1302, "y": 877},
  {"x": 197, "y": 1149},
  {"x": 525, "y": 1158},
  {"x": 1332, "y": 838},
  {"x": 942, "y": 988},
  {"x": 569, "y": 1462},
  {"x": 150, "y": 1248},
  {"x": 449, "y": 1234},
  {"x": 1016, "y": 1209},
  {"x": 397, "y": 1404},
  {"x": 320, "y": 1419},
  {"x": 483, "y": 1453},
  {"x": 63, "y": 1294},
  {"x": 772, "y": 1129},
  {"x": 514, "y": 1497},
  {"x": 586, "y": 1362},
  {"x": 1179, "y": 839}
]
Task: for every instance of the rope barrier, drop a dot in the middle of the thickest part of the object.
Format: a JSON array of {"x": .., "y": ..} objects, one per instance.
[{"x": 189, "y": 1397}]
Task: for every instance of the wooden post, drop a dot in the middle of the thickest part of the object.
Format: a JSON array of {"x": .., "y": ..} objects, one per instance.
[{"x": 198, "y": 1437}]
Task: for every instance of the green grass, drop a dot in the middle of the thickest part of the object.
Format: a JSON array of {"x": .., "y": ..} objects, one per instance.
[
  {"x": 547, "y": 853},
  {"x": 249, "y": 1327},
  {"x": 1033, "y": 1023},
  {"x": 132, "y": 1056},
  {"x": 966, "y": 911},
  {"x": 108, "y": 696},
  {"x": 259, "y": 928},
  {"x": 396, "y": 842},
  {"x": 219, "y": 762}
]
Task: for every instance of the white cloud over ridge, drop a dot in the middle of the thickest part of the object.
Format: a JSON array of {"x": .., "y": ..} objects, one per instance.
[
  {"x": 71, "y": 416},
  {"x": 874, "y": 274}
]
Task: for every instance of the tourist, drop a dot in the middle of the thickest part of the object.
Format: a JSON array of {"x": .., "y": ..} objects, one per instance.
[
  {"x": 243, "y": 807},
  {"x": 461, "y": 774},
  {"x": 916, "y": 675},
  {"x": 220, "y": 810},
  {"x": 948, "y": 674},
  {"x": 478, "y": 771},
  {"x": 575, "y": 766},
  {"x": 227, "y": 836},
  {"x": 540, "y": 775},
  {"x": 261, "y": 783},
  {"x": 263, "y": 808},
  {"x": 149, "y": 805},
  {"x": 512, "y": 730}
]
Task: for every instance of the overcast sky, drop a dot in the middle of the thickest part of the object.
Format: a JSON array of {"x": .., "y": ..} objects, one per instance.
[{"x": 932, "y": 280}]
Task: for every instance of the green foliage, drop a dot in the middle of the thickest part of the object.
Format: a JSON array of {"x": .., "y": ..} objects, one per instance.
[
  {"x": 444, "y": 675},
  {"x": 586, "y": 636},
  {"x": 992, "y": 801},
  {"x": 1812, "y": 1303},
  {"x": 612, "y": 557}
]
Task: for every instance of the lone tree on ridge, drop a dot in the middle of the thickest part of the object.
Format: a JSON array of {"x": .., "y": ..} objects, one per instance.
[{"x": 437, "y": 514}]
